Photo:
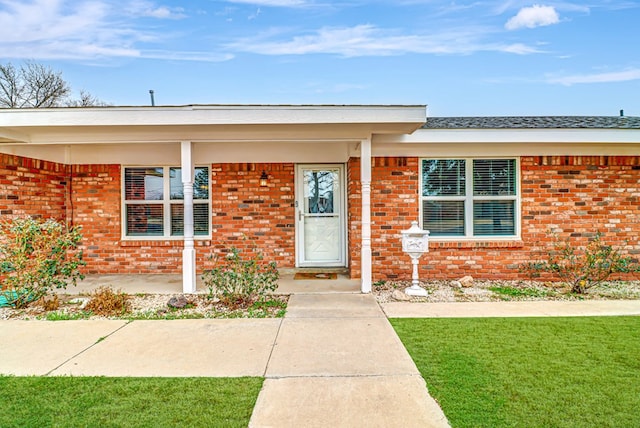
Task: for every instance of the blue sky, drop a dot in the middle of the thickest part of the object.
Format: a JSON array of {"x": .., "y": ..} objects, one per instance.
[{"x": 461, "y": 58}]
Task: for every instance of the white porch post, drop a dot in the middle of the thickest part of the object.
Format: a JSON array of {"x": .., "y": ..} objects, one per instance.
[
  {"x": 189, "y": 250},
  {"x": 365, "y": 182}
]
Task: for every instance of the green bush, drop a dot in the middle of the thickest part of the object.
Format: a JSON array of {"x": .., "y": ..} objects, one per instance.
[
  {"x": 239, "y": 282},
  {"x": 36, "y": 257},
  {"x": 581, "y": 267}
]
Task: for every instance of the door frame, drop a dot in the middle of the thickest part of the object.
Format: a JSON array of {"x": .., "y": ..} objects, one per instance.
[{"x": 299, "y": 204}]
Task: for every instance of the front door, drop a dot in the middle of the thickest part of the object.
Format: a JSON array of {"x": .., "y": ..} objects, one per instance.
[{"x": 320, "y": 219}]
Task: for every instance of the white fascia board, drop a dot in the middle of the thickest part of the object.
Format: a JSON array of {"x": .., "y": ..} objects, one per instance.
[
  {"x": 501, "y": 149},
  {"x": 481, "y": 136},
  {"x": 413, "y": 116}
]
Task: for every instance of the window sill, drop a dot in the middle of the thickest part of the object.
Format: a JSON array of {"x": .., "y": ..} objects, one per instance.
[
  {"x": 163, "y": 242},
  {"x": 512, "y": 243}
]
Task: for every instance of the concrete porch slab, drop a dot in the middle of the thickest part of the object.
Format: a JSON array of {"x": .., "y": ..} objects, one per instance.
[
  {"x": 132, "y": 284},
  {"x": 288, "y": 285},
  {"x": 338, "y": 347},
  {"x": 172, "y": 284},
  {"x": 333, "y": 306},
  {"x": 38, "y": 347},
  {"x": 388, "y": 401},
  {"x": 215, "y": 348}
]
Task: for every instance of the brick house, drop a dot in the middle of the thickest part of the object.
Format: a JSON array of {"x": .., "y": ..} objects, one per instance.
[{"x": 159, "y": 189}]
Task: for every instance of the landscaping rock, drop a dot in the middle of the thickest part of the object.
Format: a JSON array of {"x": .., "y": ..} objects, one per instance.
[
  {"x": 466, "y": 281},
  {"x": 400, "y": 296},
  {"x": 80, "y": 301},
  {"x": 179, "y": 302},
  {"x": 456, "y": 284}
]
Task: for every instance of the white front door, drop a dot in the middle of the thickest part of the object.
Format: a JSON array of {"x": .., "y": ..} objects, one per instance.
[{"x": 320, "y": 219}]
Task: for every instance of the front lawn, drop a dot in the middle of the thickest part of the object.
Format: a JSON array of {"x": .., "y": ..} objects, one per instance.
[
  {"x": 530, "y": 372},
  {"x": 130, "y": 402}
]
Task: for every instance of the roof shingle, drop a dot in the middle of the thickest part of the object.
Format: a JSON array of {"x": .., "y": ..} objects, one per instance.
[{"x": 533, "y": 122}]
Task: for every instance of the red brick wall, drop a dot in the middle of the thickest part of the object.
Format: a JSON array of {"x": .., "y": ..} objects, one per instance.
[
  {"x": 575, "y": 196},
  {"x": 394, "y": 204},
  {"x": 243, "y": 215},
  {"x": 32, "y": 187},
  {"x": 354, "y": 216},
  {"x": 246, "y": 215},
  {"x": 578, "y": 196}
]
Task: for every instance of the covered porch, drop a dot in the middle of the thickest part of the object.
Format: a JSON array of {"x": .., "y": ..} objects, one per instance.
[{"x": 99, "y": 151}]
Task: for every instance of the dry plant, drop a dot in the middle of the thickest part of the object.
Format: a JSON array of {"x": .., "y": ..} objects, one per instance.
[{"x": 107, "y": 302}]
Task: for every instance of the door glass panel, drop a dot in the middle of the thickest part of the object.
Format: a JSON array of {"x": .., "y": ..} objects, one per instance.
[{"x": 320, "y": 188}]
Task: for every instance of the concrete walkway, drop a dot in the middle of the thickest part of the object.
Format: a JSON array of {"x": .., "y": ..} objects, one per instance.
[
  {"x": 512, "y": 309},
  {"x": 337, "y": 362},
  {"x": 333, "y": 361}
]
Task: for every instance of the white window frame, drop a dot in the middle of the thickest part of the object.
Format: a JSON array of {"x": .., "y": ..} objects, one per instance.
[
  {"x": 469, "y": 198},
  {"x": 166, "y": 203}
]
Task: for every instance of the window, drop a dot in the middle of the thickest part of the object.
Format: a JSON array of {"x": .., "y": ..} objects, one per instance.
[
  {"x": 469, "y": 197},
  {"x": 153, "y": 202}
]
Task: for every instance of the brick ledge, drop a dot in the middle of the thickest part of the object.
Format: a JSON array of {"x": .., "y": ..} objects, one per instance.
[
  {"x": 476, "y": 244},
  {"x": 163, "y": 243}
]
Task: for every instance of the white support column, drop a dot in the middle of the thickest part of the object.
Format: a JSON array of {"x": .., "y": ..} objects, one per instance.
[
  {"x": 189, "y": 250},
  {"x": 365, "y": 182}
]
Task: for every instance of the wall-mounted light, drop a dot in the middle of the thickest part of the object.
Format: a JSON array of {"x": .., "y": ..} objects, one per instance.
[{"x": 264, "y": 179}]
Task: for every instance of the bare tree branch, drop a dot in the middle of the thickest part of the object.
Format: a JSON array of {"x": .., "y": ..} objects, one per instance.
[
  {"x": 86, "y": 100},
  {"x": 34, "y": 85},
  {"x": 10, "y": 86},
  {"x": 44, "y": 87}
]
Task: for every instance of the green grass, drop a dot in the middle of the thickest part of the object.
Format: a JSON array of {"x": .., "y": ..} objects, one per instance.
[
  {"x": 515, "y": 292},
  {"x": 530, "y": 372},
  {"x": 130, "y": 402},
  {"x": 67, "y": 316}
]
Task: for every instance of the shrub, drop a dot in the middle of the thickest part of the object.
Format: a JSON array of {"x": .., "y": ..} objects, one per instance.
[
  {"x": 239, "y": 282},
  {"x": 36, "y": 257},
  {"x": 51, "y": 303},
  {"x": 582, "y": 268},
  {"x": 107, "y": 302}
]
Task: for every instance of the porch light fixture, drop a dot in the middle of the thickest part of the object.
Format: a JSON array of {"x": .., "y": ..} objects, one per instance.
[{"x": 264, "y": 179}]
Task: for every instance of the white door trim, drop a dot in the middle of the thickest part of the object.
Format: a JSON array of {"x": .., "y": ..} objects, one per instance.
[{"x": 301, "y": 261}]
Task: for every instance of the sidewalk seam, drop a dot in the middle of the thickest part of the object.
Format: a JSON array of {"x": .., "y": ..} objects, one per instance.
[
  {"x": 273, "y": 347},
  {"x": 100, "y": 339}
]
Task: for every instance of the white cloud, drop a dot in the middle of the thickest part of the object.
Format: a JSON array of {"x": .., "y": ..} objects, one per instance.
[
  {"x": 534, "y": 16},
  {"x": 368, "y": 40},
  {"x": 254, "y": 15},
  {"x": 520, "y": 49},
  {"x": 148, "y": 9},
  {"x": 164, "y": 12},
  {"x": 274, "y": 3},
  {"x": 615, "y": 76},
  {"x": 84, "y": 30}
]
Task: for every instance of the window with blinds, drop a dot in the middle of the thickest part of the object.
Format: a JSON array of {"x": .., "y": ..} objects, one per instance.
[
  {"x": 469, "y": 197},
  {"x": 153, "y": 202}
]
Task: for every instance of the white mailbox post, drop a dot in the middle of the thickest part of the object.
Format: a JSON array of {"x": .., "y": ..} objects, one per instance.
[{"x": 415, "y": 242}]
